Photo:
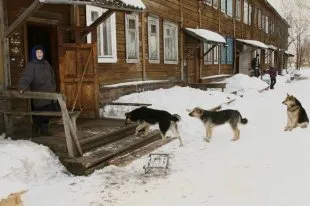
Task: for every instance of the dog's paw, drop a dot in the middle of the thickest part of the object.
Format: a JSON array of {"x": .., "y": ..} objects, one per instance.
[{"x": 285, "y": 129}]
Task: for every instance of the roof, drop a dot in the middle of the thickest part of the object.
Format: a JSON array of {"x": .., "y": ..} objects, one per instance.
[
  {"x": 126, "y": 5},
  {"x": 206, "y": 35},
  {"x": 253, "y": 43},
  {"x": 290, "y": 54},
  {"x": 272, "y": 47}
]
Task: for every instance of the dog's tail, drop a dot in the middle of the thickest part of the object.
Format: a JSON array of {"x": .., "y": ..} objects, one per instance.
[
  {"x": 175, "y": 117},
  {"x": 243, "y": 120}
]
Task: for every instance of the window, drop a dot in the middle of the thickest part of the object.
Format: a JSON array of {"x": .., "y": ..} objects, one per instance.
[
  {"x": 153, "y": 39},
  {"x": 246, "y": 12},
  {"x": 223, "y": 6},
  {"x": 255, "y": 16},
  {"x": 208, "y": 2},
  {"x": 132, "y": 38},
  {"x": 267, "y": 24},
  {"x": 106, "y": 34},
  {"x": 170, "y": 43},
  {"x": 259, "y": 19},
  {"x": 238, "y": 9},
  {"x": 215, "y": 3},
  {"x": 250, "y": 14},
  {"x": 229, "y": 7},
  {"x": 208, "y": 58},
  {"x": 263, "y": 22}
]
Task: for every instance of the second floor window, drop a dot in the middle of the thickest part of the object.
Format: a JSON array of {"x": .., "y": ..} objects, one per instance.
[
  {"x": 153, "y": 39},
  {"x": 246, "y": 12},
  {"x": 170, "y": 43},
  {"x": 238, "y": 9},
  {"x": 132, "y": 38}
]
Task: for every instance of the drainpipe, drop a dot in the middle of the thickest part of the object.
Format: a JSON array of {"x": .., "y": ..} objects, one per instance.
[{"x": 182, "y": 40}]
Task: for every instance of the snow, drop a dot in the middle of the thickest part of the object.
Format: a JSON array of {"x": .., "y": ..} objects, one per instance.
[
  {"x": 208, "y": 35},
  {"x": 135, "y": 3},
  {"x": 133, "y": 83},
  {"x": 272, "y": 47},
  {"x": 254, "y": 43},
  {"x": 216, "y": 76},
  {"x": 267, "y": 166}
]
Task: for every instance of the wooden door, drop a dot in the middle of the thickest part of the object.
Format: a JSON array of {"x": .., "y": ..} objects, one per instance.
[
  {"x": 192, "y": 67},
  {"x": 74, "y": 61}
]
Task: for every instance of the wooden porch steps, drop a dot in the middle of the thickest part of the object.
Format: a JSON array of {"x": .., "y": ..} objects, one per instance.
[{"x": 98, "y": 158}]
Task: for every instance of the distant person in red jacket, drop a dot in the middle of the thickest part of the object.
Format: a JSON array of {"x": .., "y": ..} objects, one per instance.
[{"x": 272, "y": 71}]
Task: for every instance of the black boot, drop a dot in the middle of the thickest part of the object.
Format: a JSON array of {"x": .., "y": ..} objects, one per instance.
[
  {"x": 35, "y": 130},
  {"x": 44, "y": 130}
]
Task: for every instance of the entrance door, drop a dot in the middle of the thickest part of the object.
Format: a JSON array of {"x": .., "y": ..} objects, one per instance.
[
  {"x": 192, "y": 67},
  {"x": 78, "y": 82},
  {"x": 244, "y": 63},
  {"x": 45, "y": 36}
]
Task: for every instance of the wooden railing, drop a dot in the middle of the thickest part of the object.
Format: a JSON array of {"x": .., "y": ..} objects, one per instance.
[{"x": 69, "y": 118}]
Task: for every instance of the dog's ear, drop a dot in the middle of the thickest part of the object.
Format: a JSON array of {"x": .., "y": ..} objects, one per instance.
[{"x": 287, "y": 94}]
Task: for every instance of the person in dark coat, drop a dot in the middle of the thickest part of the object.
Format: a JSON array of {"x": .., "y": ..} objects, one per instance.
[
  {"x": 255, "y": 65},
  {"x": 38, "y": 76},
  {"x": 272, "y": 71}
]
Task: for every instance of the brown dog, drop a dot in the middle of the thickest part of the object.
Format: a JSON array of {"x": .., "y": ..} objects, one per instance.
[{"x": 215, "y": 118}]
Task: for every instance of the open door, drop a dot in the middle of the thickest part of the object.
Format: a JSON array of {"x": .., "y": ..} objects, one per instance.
[{"x": 78, "y": 82}]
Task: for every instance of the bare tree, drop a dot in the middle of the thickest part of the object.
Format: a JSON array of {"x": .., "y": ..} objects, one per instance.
[{"x": 296, "y": 14}]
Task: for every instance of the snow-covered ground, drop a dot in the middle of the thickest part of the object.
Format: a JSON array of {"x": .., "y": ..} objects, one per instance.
[{"x": 266, "y": 167}]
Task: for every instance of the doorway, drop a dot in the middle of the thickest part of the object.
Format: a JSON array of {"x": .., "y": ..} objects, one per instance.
[{"x": 45, "y": 36}]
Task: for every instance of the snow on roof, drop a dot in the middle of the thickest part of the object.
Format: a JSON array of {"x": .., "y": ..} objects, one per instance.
[
  {"x": 272, "y": 47},
  {"x": 206, "y": 35},
  {"x": 289, "y": 53},
  {"x": 130, "y": 5},
  {"x": 254, "y": 43},
  {"x": 136, "y": 3},
  {"x": 133, "y": 83}
]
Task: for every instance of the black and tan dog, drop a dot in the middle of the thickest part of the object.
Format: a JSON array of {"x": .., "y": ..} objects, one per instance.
[
  {"x": 146, "y": 117},
  {"x": 214, "y": 118},
  {"x": 296, "y": 114}
]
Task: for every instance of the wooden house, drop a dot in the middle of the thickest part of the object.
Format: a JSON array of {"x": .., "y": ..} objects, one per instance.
[
  {"x": 98, "y": 48},
  {"x": 160, "y": 43}
]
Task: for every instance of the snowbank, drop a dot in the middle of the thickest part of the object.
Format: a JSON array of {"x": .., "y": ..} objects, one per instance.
[{"x": 244, "y": 83}]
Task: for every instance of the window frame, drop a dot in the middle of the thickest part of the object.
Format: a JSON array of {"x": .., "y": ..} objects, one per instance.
[
  {"x": 135, "y": 17},
  {"x": 208, "y": 59},
  {"x": 176, "y": 27},
  {"x": 150, "y": 21},
  {"x": 238, "y": 10},
  {"x": 245, "y": 12},
  {"x": 105, "y": 58}
]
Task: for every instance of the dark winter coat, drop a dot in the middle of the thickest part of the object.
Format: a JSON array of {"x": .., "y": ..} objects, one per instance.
[
  {"x": 272, "y": 72},
  {"x": 255, "y": 63},
  {"x": 38, "y": 76}
]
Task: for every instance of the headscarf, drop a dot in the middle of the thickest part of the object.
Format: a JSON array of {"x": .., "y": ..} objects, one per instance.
[{"x": 34, "y": 50}]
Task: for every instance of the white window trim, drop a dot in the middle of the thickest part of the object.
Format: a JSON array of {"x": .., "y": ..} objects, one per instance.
[
  {"x": 224, "y": 10},
  {"x": 232, "y": 9},
  {"x": 245, "y": 12},
  {"x": 167, "y": 23},
  {"x": 216, "y": 5},
  {"x": 153, "y": 19},
  {"x": 136, "y": 18},
  {"x": 103, "y": 59},
  {"x": 208, "y": 3},
  {"x": 239, "y": 9}
]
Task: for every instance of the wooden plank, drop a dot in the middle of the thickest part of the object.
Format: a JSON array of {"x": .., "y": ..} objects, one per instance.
[
  {"x": 98, "y": 21},
  {"x": 22, "y": 18},
  {"x": 31, "y": 95},
  {"x": 67, "y": 122},
  {"x": 125, "y": 104},
  {"x": 53, "y": 114}
]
